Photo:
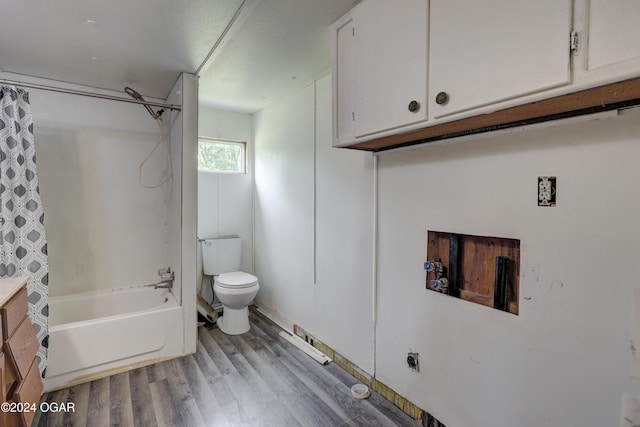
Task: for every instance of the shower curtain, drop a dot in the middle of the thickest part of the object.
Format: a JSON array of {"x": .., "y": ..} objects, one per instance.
[{"x": 23, "y": 244}]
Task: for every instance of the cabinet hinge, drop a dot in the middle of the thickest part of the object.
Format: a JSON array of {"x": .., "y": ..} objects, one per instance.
[
  {"x": 353, "y": 116},
  {"x": 353, "y": 31},
  {"x": 573, "y": 42}
]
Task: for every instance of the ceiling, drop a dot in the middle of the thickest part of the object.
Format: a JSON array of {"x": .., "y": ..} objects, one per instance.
[{"x": 248, "y": 53}]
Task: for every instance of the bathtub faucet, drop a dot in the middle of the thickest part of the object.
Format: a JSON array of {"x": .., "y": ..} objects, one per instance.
[
  {"x": 163, "y": 285},
  {"x": 166, "y": 279}
]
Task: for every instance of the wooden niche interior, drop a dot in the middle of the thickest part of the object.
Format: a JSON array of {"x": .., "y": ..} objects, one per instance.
[{"x": 487, "y": 270}]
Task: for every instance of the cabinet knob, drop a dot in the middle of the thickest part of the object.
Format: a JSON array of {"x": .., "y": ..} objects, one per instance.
[
  {"x": 414, "y": 106},
  {"x": 442, "y": 98}
]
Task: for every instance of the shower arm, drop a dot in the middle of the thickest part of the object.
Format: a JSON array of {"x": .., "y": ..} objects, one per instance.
[{"x": 135, "y": 95}]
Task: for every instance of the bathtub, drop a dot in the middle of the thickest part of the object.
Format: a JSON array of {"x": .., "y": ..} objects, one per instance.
[{"x": 96, "y": 334}]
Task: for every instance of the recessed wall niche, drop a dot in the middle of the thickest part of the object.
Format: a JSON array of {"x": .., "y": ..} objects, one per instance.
[{"x": 483, "y": 270}]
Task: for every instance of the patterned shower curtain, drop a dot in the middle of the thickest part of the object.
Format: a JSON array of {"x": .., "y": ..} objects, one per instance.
[{"x": 23, "y": 244}]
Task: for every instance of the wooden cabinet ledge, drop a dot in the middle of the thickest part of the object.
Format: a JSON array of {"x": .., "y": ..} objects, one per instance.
[{"x": 608, "y": 97}]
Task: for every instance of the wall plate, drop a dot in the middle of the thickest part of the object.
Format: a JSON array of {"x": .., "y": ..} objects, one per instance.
[
  {"x": 412, "y": 361},
  {"x": 547, "y": 191}
]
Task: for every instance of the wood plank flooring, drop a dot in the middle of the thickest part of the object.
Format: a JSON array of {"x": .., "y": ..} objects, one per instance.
[{"x": 255, "y": 379}]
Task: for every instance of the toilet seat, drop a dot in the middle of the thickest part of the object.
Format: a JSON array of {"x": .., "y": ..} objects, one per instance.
[{"x": 236, "y": 280}]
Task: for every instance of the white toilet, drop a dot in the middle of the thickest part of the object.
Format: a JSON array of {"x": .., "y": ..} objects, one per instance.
[{"x": 235, "y": 289}]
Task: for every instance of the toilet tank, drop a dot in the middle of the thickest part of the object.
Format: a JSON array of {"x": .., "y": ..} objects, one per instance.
[{"x": 221, "y": 255}]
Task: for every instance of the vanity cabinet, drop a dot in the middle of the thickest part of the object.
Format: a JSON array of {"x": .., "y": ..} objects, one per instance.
[
  {"x": 482, "y": 66},
  {"x": 21, "y": 376},
  {"x": 380, "y": 68},
  {"x": 482, "y": 52}
]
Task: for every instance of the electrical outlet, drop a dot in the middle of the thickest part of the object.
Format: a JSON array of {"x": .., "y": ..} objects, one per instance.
[
  {"x": 547, "y": 191},
  {"x": 412, "y": 361}
]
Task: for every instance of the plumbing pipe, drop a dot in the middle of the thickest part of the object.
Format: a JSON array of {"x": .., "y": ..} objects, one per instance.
[{"x": 500, "y": 283}]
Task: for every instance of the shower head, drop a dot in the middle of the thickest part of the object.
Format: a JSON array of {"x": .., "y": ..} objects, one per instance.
[
  {"x": 133, "y": 93},
  {"x": 136, "y": 95}
]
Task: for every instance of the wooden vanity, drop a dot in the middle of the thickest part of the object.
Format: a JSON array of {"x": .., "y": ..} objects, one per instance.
[{"x": 22, "y": 384}]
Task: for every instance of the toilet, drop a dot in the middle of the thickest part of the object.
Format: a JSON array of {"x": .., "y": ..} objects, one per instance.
[{"x": 235, "y": 289}]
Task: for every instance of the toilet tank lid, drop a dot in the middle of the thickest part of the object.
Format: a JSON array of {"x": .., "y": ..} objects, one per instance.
[{"x": 236, "y": 278}]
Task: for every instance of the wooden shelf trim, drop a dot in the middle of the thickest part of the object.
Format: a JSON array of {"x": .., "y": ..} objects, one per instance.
[{"x": 609, "y": 97}]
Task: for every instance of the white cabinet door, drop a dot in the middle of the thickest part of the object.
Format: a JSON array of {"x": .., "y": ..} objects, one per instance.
[
  {"x": 343, "y": 78},
  {"x": 486, "y": 51},
  {"x": 390, "y": 53},
  {"x": 614, "y": 38}
]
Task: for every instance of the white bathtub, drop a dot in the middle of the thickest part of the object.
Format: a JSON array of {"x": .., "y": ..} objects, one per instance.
[{"x": 92, "y": 335}]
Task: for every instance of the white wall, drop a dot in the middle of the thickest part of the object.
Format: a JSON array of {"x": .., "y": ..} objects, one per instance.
[
  {"x": 181, "y": 200},
  {"x": 225, "y": 201},
  {"x": 298, "y": 175},
  {"x": 565, "y": 360},
  {"x": 284, "y": 139},
  {"x": 173, "y": 188},
  {"x": 104, "y": 230},
  {"x": 343, "y": 298}
]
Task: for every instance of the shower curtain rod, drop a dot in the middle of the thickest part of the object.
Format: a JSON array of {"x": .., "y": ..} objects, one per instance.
[{"x": 91, "y": 94}]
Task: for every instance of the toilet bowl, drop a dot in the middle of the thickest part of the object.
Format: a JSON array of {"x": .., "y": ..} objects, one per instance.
[{"x": 235, "y": 291}]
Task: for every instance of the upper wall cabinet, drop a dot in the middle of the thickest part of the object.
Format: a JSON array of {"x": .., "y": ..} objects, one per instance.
[
  {"x": 427, "y": 70},
  {"x": 612, "y": 43},
  {"x": 390, "y": 54},
  {"x": 342, "y": 79},
  {"x": 486, "y": 51},
  {"x": 379, "y": 68}
]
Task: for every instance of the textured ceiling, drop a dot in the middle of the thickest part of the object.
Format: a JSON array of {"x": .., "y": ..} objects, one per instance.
[
  {"x": 273, "y": 47},
  {"x": 281, "y": 47}
]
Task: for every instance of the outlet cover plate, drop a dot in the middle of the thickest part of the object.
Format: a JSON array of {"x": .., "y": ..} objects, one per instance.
[
  {"x": 412, "y": 361},
  {"x": 547, "y": 191}
]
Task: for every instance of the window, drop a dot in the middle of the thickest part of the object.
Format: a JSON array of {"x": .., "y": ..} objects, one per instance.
[{"x": 221, "y": 155}]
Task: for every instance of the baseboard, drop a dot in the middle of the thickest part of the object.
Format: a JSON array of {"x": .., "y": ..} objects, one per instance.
[{"x": 274, "y": 315}]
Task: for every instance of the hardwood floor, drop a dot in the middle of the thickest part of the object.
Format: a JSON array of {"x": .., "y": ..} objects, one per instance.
[{"x": 255, "y": 379}]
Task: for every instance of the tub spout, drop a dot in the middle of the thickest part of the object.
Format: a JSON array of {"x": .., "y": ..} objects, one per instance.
[
  {"x": 163, "y": 285},
  {"x": 166, "y": 279}
]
